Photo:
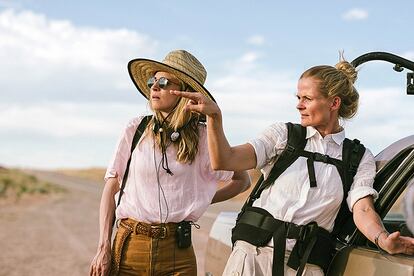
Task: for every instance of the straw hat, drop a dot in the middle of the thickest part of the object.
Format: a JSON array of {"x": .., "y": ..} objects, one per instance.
[{"x": 180, "y": 63}]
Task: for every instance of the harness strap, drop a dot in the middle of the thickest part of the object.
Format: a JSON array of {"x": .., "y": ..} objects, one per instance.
[
  {"x": 255, "y": 219},
  {"x": 311, "y": 172},
  {"x": 318, "y": 157},
  {"x": 137, "y": 136},
  {"x": 306, "y": 255},
  {"x": 279, "y": 248},
  {"x": 306, "y": 235}
]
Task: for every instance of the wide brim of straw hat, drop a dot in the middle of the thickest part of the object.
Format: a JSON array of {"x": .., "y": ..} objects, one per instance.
[{"x": 141, "y": 69}]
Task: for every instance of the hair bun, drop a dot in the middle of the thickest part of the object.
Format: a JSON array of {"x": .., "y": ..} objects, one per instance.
[{"x": 347, "y": 68}]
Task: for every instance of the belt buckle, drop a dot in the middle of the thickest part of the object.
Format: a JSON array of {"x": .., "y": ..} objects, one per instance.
[
  {"x": 303, "y": 232},
  {"x": 163, "y": 231},
  {"x": 291, "y": 231},
  {"x": 308, "y": 230},
  {"x": 294, "y": 231}
]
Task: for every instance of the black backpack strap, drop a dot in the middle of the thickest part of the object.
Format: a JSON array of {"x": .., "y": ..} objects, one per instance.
[
  {"x": 138, "y": 133},
  {"x": 296, "y": 142},
  {"x": 318, "y": 157},
  {"x": 352, "y": 153}
]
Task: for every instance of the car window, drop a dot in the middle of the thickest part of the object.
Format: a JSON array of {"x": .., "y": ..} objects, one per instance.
[
  {"x": 395, "y": 219},
  {"x": 397, "y": 210}
]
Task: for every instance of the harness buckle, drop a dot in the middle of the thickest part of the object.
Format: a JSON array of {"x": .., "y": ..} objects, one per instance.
[
  {"x": 320, "y": 157},
  {"x": 303, "y": 233},
  {"x": 325, "y": 158},
  {"x": 290, "y": 149},
  {"x": 308, "y": 230}
]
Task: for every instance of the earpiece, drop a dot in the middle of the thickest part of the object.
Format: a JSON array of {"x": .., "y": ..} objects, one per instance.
[
  {"x": 174, "y": 136},
  {"x": 156, "y": 128}
]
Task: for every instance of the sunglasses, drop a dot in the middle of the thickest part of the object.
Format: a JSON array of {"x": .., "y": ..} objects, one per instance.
[{"x": 162, "y": 82}]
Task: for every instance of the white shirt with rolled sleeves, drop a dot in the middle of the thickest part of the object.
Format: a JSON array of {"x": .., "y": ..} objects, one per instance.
[
  {"x": 291, "y": 198},
  {"x": 188, "y": 192}
]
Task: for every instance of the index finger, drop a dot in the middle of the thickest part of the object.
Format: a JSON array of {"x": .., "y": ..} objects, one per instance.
[{"x": 189, "y": 95}]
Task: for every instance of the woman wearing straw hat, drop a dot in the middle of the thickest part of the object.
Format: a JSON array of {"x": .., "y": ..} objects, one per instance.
[
  {"x": 307, "y": 195},
  {"x": 168, "y": 179}
]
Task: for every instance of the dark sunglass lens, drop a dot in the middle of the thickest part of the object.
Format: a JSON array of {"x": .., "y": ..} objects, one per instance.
[
  {"x": 162, "y": 82},
  {"x": 150, "y": 82}
]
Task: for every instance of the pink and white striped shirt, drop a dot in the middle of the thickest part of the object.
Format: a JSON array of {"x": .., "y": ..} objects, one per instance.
[{"x": 182, "y": 196}]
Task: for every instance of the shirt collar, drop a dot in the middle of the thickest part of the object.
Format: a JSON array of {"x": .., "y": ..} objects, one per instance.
[{"x": 338, "y": 137}]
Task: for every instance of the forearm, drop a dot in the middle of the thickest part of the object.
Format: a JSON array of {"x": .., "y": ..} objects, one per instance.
[
  {"x": 368, "y": 222},
  {"x": 238, "y": 184},
  {"x": 107, "y": 212},
  {"x": 218, "y": 146}
]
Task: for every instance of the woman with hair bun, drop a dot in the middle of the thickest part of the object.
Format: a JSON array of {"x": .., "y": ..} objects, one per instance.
[{"x": 287, "y": 229}]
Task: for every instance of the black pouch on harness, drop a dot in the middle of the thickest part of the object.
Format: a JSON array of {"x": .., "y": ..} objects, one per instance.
[
  {"x": 255, "y": 226},
  {"x": 183, "y": 234},
  {"x": 320, "y": 255}
]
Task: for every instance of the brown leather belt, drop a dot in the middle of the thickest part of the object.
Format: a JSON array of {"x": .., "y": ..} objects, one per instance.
[{"x": 155, "y": 231}]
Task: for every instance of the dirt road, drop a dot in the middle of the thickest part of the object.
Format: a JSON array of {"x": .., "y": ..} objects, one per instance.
[{"x": 58, "y": 235}]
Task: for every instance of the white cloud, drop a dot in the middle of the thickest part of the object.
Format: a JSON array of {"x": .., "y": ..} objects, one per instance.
[
  {"x": 256, "y": 40},
  {"x": 252, "y": 97},
  {"x": 35, "y": 39},
  {"x": 384, "y": 116},
  {"x": 249, "y": 57},
  {"x": 46, "y": 59},
  {"x": 355, "y": 14},
  {"x": 52, "y": 135},
  {"x": 65, "y": 120},
  {"x": 244, "y": 64}
]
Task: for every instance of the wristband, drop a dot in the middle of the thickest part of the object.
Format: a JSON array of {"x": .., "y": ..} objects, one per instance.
[{"x": 377, "y": 237}]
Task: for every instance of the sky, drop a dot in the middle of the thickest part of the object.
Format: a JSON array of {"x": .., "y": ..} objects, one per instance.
[{"x": 66, "y": 95}]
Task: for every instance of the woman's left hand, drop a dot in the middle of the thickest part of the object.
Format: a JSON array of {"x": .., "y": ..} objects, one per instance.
[{"x": 394, "y": 243}]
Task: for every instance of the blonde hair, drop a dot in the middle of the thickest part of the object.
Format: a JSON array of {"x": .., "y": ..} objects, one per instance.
[
  {"x": 337, "y": 81},
  {"x": 183, "y": 121}
]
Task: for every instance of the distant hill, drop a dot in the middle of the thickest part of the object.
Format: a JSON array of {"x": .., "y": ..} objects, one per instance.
[{"x": 95, "y": 174}]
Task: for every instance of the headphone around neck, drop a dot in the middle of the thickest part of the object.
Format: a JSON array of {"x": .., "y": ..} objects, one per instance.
[{"x": 157, "y": 128}]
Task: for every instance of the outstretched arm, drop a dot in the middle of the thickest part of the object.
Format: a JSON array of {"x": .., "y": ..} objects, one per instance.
[
  {"x": 101, "y": 263},
  {"x": 222, "y": 155},
  {"x": 239, "y": 183},
  {"x": 369, "y": 223}
]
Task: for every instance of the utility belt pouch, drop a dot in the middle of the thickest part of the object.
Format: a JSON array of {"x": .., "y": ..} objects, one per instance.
[
  {"x": 321, "y": 253},
  {"x": 183, "y": 234},
  {"x": 255, "y": 226}
]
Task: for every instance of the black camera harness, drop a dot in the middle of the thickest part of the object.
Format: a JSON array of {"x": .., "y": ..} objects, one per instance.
[{"x": 314, "y": 244}]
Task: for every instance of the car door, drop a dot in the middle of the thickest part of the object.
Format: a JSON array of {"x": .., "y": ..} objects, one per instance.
[{"x": 357, "y": 255}]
